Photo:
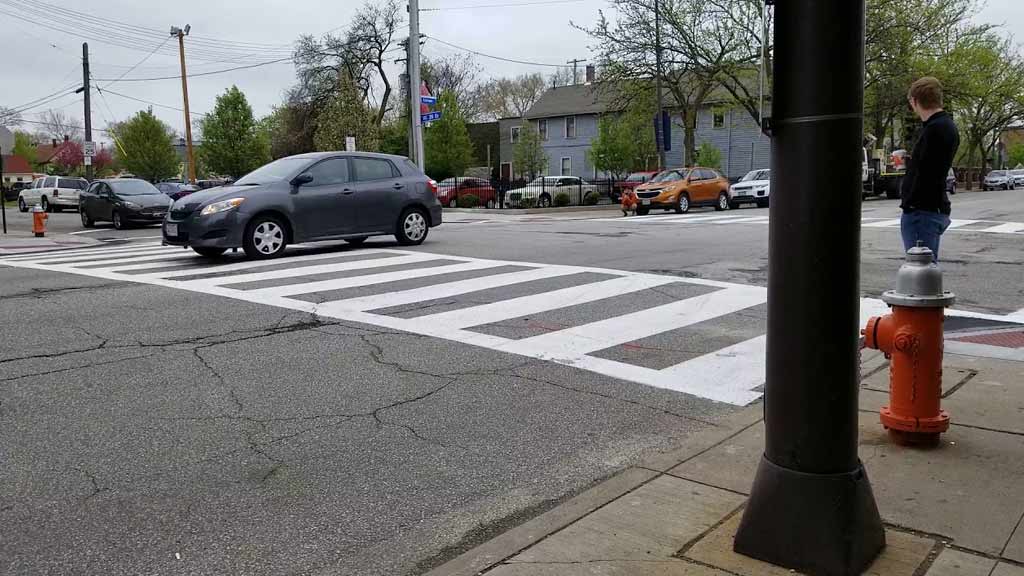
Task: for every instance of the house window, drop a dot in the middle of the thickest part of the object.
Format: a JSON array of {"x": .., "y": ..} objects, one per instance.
[
  {"x": 566, "y": 166},
  {"x": 515, "y": 134},
  {"x": 542, "y": 127},
  {"x": 719, "y": 119},
  {"x": 570, "y": 126}
]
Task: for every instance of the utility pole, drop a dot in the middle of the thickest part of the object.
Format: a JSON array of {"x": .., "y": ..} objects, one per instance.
[
  {"x": 811, "y": 508},
  {"x": 575, "y": 62},
  {"x": 414, "y": 84},
  {"x": 175, "y": 31},
  {"x": 658, "y": 122},
  {"x": 88, "y": 106}
]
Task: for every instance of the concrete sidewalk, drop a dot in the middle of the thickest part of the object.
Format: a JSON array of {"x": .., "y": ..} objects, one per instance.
[
  {"x": 23, "y": 242},
  {"x": 952, "y": 510}
]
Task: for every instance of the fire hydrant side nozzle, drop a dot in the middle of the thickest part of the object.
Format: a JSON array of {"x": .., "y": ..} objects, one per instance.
[
  {"x": 911, "y": 337},
  {"x": 39, "y": 217}
]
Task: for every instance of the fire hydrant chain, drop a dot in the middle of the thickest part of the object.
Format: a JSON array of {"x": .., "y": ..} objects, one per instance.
[{"x": 911, "y": 337}]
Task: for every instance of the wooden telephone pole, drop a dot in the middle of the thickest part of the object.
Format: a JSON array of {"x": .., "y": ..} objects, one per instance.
[{"x": 181, "y": 33}]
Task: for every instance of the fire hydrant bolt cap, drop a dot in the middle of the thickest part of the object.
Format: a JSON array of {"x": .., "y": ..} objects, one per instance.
[{"x": 919, "y": 282}]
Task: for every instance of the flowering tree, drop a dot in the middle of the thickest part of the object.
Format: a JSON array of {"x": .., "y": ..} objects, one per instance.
[{"x": 68, "y": 158}]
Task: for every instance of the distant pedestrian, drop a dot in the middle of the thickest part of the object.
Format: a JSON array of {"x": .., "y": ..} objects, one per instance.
[
  {"x": 925, "y": 205},
  {"x": 629, "y": 202}
]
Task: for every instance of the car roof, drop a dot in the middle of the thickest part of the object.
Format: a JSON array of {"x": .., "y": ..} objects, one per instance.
[{"x": 319, "y": 155}]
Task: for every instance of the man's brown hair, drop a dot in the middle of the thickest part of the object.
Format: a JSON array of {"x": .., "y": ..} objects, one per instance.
[{"x": 928, "y": 93}]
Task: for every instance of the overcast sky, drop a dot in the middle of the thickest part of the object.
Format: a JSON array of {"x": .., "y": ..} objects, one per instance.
[{"x": 39, "y": 60}]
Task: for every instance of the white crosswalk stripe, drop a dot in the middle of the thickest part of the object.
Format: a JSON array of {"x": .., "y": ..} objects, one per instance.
[
  {"x": 956, "y": 225},
  {"x": 731, "y": 374}
]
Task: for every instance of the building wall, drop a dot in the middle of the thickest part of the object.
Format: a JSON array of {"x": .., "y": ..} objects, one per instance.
[
  {"x": 505, "y": 140},
  {"x": 13, "y": 177},
  {"x": 740, "y": 141},
  {"x": 576, "y": 149}
]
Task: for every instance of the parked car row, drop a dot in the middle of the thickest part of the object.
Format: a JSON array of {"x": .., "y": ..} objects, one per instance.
[{"x": 1003, "y": 180}]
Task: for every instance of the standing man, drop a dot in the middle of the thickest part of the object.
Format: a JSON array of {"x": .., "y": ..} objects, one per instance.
[{"x": 924, "y": 202}]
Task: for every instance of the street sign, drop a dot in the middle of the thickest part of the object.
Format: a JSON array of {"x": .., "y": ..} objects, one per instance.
[
  {"x": 350, "y": 143},
  {"x": 430, "y": 117},
  {"x": 428, "y": 100},
  {"x": 87, "y": 160},
  {"x": 89, "y": 149}
]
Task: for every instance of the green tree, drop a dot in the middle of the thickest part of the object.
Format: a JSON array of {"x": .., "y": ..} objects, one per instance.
[
  {"x": 347, "y": 115},
  {"x": 1015, "y": 155},
  {"x": 23, "y": 147},
  {"x": 528, "y": 155},
  {"x": 394, "y": 136},
  {"x": 709, "y": 156},
  {"x": 447, "y": 147},
  {"x": 625, "y": 142},
  {"x": 233, "y": 145},
  {"x": 147, "y": 147}
]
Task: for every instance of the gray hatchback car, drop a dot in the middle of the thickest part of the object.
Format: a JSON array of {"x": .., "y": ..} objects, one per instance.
[{"x": 316, "y": 196}]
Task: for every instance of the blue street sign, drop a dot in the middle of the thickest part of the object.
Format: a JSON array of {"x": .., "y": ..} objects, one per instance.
[
  {"x": 430, "y": 117},
  {"x": 430, "y": 100}
]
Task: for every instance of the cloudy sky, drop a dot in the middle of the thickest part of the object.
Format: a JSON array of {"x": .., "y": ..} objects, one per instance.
[{"x": 42, "y": 46}]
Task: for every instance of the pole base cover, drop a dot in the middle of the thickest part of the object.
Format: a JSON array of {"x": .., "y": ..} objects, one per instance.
[{"x": 821, "y": 524}]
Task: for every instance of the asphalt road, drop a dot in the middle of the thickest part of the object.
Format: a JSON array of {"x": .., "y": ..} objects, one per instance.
[{"x": 161, "y": 414}]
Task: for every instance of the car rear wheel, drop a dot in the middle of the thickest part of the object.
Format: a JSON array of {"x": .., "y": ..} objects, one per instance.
[
  {"x": 118, "y": 221},
  {"x": 545, "y": 201},
  {"x": 22, "y": 207},
  {"x": 683, "y": 203},
  {"x": 265, "y": 237},
  {"x": 412, "y": 228},
  {"x": 86, "y": 221},
  {"x": 723, "y": 202},
  {"x": 208, "y": 252},
  {"x": 356, "y": 241},
  {"x": 642, "y": 211},
  {"x": 45, "y": 204}
]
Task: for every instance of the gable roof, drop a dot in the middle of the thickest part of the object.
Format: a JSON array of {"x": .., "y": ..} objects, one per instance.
[
  {"x": 16, "y": 165},
  {"x": 578, "y": 99}
]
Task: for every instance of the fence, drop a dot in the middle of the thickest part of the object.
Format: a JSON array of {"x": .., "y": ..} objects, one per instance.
[{"x": 541, "y": 192}]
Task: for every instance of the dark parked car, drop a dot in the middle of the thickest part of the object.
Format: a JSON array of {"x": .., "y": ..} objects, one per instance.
[
  {"x": 176, "y": 190},
  {"x": 316, "y": 196},
  {"x": 123, "y": 201}
]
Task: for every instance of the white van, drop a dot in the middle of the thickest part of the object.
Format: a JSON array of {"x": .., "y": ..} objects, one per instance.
[{"x": 52, "y": 193}]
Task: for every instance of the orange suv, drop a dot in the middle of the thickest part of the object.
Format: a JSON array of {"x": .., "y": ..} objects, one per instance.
[{"x": 681, "y": 188}]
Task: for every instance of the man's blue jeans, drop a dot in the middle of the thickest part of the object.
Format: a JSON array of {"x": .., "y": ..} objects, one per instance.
[{"x": 924, "y": 226}]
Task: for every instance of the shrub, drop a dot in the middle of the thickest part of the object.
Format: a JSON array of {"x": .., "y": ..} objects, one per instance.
[
  {"x": 468, "y": 201},
  {"x": 527, "y": 202},
  {"x": 562, "y": 199},
  {"x": 591, "y": 198}
]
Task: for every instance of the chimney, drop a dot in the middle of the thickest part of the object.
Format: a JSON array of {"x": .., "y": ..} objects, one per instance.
[
  {"x": 590, "y": 73},
  {"x": 66, "y": 138},
  {"x": 53, "y": 142}
]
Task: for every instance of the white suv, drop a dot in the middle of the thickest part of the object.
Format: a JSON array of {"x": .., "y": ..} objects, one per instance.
[
  {"x": 754, "y": 188},
  {"x": 52, "y": 193}
]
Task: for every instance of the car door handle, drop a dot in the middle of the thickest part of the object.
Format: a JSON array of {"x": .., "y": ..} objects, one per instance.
[
  {"x": 347, "y": 192},
  {"x": 398, "y": 186}
]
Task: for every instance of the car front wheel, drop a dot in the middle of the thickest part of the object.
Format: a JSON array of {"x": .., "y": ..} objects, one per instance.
[
  {"x": 683, "y": 203},
  {"x": 412, "y": 228},
  {"x": 22, "y": 207},
  {"x": 118, "y": 221},
  {"x": 490, "y": 204},
  {"x": 265, "y": 237},
  {"x": 453, "y": 203},
  {"x": 45, "y": 204}
]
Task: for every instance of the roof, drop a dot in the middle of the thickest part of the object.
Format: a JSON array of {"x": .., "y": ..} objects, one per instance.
[
  {"x": 578, "y": 99},
  {"x": 16, "y": 165}
]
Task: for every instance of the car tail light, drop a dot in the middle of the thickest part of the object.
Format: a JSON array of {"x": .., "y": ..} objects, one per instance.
[{"x": 433, "y": 186}]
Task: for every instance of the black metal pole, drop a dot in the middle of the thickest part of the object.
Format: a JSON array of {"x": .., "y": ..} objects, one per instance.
[
  {"x": 88, "y": 105},
  {"x": 3, "y": 193},
  {"x": 811, "y": 507}
]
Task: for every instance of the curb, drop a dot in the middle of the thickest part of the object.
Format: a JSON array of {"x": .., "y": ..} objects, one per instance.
[
  {"x": 25, "y": 243},
  {"x": 510, "y": 543},
  {"x": 595, "y": 208}
]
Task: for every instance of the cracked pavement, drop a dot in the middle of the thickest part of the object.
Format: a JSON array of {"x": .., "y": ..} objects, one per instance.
[{"x": 149, "y": 430}]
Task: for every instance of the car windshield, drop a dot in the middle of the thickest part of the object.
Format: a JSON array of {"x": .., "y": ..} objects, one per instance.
[
  {"x": 638, "y": 177},
  {"x": 667, "y": 176},
  {"x": 274, "y": 172},
  {"x": 755, "y": 175},
  {"x": 997, "y": 173},
  {"x": 133, "y": 188}
]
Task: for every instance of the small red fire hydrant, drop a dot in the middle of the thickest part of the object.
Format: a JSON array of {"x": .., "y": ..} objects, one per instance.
[
  {"x": 39, "y": 217},
  {"x": 911, "y": 337}
]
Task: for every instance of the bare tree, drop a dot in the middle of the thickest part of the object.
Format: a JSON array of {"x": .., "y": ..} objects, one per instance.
[
  {"x": 458, "y": 74},
  {"x": 562, "y": 76},
  {"x": 511, "y": 97},
  {"x": 56, "y": 124},
  {"x": 9, "y": 117},
  {"x": 361, "y": 53}
]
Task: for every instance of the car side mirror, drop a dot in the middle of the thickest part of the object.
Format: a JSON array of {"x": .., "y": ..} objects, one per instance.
[{"x": 302, "y": 179}]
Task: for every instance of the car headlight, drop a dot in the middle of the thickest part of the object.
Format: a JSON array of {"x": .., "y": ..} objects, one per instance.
[
  {"x": 223, "y": 206},
  {"x": 131, "y": 205}
]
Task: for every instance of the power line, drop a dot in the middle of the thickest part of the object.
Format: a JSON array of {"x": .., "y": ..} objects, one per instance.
[
  {"x": 178, "y": 77},
  {"x": 506, "y": 5},
  {"x": 150, "y": 102},
  {"x": 33, "y": 103},
  {"x": 491, "y": 56},
  {"x": 67, "y": 126},
  {"x": 126, "y": 72}
]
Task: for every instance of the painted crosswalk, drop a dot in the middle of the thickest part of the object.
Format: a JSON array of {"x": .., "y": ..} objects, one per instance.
[{"x": 495, "y": 304}]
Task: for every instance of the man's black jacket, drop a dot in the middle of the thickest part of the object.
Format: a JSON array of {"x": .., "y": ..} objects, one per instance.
[{"x": 924, "y": 186}]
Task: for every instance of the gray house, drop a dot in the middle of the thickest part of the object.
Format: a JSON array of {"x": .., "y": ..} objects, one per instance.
[{"x": 566, "y": 118}]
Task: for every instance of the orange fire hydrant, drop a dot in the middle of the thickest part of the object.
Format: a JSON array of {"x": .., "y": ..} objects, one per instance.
[
  {"x": 911, "y": 337},
  {"x": 39, "y": 217}
]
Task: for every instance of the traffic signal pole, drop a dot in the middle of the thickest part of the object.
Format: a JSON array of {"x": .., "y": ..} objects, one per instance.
[{"x": 811, "y": 507}]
